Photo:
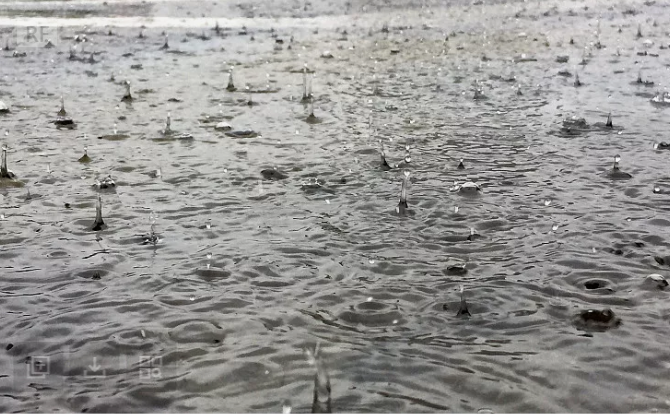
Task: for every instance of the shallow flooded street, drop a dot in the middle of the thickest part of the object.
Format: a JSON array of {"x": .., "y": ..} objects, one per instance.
[{"x": 246, "y": 214}]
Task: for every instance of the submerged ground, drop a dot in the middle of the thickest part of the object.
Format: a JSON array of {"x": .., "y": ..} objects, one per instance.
[{"x": 100, "y": 321}]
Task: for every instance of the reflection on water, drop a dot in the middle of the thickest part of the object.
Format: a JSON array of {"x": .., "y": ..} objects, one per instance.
[{"x": 519, "y": 270}]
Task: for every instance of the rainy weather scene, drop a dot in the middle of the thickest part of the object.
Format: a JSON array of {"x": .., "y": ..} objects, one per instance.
[{"x": 316, "y": 206}]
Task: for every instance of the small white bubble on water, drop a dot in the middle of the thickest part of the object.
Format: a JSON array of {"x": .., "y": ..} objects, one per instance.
[
  {"x": 594, "y": 250},
  {"x": 267, "y": 372},
  {"x": 369, "y": 299},
  {"x": 192, "y": 298},
  {"x": 395, "y": 321},
  {"x": 547, "y": 202},
  {"x": 456, "y": 209},
  {"x": 297, "y": 132},
  {"x": 628, "y": 219},
  {"x": 327, "y": 201},
  {"x": 657, "y": 190},
  {"x": 2, "y": 217},
  {"x": 371, "y": 261},
  {"x": 144, "y": 335},
  {"x": 554, "y": 227},
  {"x": 6, "y": 133},
  {"x": 209, "y": 224}
]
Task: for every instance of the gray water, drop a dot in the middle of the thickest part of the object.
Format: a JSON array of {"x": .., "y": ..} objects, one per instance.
[{"x": 101, "y": 321}]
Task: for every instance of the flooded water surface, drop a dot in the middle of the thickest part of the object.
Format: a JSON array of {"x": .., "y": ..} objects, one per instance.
[{"x": 370, "y": 207}]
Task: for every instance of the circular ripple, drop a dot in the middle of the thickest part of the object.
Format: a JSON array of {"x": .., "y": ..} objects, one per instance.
[{"x": 372, "y": 314}]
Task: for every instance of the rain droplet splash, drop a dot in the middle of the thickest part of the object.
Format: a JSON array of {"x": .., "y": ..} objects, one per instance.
[
  {"x": 305, "y": 90},
  {"x": 153, "y": 237},
  {"x": 321, "y": 402},
  {"x": 402, "y": 204},
  {"x": 167, "y": 130},
  {"x": 231, "y": 85},
  {"x": 463, "y": 308},
  {"x": 385, "y": 164},
  {"x": 286, "y": 407},
  {"x": 4, "y": 171},
  {"x": 98, "y": 224}
]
